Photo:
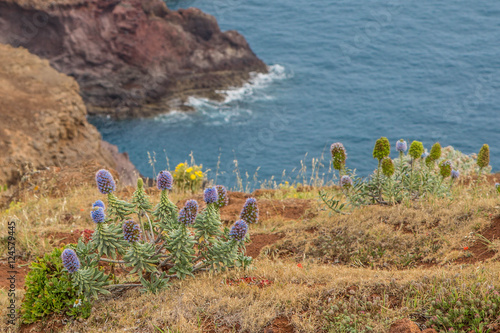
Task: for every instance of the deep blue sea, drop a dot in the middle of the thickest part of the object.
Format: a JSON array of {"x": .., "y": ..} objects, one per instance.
[{"x": 348, "y": 71}]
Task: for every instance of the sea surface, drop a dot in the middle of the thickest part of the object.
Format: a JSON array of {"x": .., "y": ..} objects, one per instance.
[{"x": 348, "y": 71}]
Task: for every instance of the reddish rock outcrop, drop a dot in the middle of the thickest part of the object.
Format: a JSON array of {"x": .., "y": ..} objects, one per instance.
[
  {"x": 43, "y": 121},
  {"x": 130, "y": 57}
]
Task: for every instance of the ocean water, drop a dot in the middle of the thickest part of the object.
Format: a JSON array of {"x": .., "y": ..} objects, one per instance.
[{"x": 348, "y": 71}]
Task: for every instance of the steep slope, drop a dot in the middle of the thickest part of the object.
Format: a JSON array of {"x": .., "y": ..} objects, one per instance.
[
  {"x": 131, "y": 57},
  {"x": 43, "y": 120}
]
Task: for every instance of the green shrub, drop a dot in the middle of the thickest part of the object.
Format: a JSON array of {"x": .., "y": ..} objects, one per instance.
[{"x": 49, "y": 290}]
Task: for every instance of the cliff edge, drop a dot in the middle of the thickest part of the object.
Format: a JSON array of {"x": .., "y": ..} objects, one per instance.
[
  {"x": 43, "y": 121},
  {"x": 131, "y": 57}
]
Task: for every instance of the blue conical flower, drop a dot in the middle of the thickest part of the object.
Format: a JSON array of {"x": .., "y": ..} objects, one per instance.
[
  {"x": 345, "y": 181},
  {"x": 223, "y": 199},
  {"x": 131, "y": 231},
  {"x": 70, "y": 260},
  {"x": 97, "y": 215},
  {"x": 497, "y": 186},
  {"x": 455, "y": 174},
  {"x": 98, "y": 203},
  {"x": 401, "y": 146},
  {"x": 188, "y": 213},
  {"x": 250, "y": 211},
  {"x": 105, "y": 182},
  {"x": 164, "y": 180},
  {"x": 238, "y": 230},
  {"x": 210, "y": 195}
]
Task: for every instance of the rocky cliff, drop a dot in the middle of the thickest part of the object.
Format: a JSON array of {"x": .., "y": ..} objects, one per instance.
[
  {"x": 43, "y": 121},
  {"x": 130, "y": 57}
]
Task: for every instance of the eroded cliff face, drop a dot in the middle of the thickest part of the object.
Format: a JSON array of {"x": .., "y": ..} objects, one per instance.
[
  {"x": 43, "y": 120},
  {"x": 130, "y": 57}
]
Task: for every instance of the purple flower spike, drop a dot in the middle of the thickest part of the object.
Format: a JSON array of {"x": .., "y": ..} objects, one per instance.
[
  {"x": 131, "y": 231},
  {"x": 401, "y": 146},
  {"x": 223, "y": 199},
  {"x": 70, "y": 260},
  {"x": 99, "y": 203},
  {"x": 238, "y": 230},
  {"x": 250, "y": 211},
  {"x": 455, "y": 174},
  {"x": 97, "y": 215},
  {"x": 188, "y": 213},
  {"x": 345, "y": 182},
  {"x": 164, "y": 180},
  {"x": 210, "y": 195},
  {"x": 105, "y": 182}
]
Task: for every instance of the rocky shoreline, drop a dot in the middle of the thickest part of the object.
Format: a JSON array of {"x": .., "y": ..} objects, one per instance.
[{"x": 130, "y": 57}]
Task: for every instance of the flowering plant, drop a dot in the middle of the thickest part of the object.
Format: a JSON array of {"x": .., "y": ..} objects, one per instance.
[
  {"x": 189, "y": 177},
  {"x": 156, "y": 242}
]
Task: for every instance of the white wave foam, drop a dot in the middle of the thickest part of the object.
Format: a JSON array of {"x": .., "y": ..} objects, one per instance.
[
  {"x": 228, "y": 110},
  {"x": 257, "y": 81}
]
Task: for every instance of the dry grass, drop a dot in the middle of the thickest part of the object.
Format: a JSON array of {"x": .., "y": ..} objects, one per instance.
[{"x": 402, "y": 254}]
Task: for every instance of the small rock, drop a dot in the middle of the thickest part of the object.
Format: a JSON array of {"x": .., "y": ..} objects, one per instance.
[{"x": 404, "y": 326}]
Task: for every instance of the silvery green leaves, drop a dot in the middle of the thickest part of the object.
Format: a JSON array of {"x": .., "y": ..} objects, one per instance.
[
  {"x": 207, "y": 224},
  {"x": 180, "y": 244},
  {"x": 222, "y": 255},
  {"x": 141, "y": 257},
  {"x": 166, "y": 213},
  {"x": 140, "y": 199},
  {"x": 157, "y": 283},
  {"x": 119, "y": 209},
  {"x": 108, "y": 240},
  {"x": 90, "y": 281}
]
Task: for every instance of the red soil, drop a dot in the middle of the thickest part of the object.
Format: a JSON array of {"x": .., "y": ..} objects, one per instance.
[
  {"x": 480, "y": 250},
  {"x": 259, "y": 241}
]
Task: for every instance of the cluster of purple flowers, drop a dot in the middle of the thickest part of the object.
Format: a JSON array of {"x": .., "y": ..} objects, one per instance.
[
  {"x": 345, "y": 181},
  {"x": 164, "y": 180},
  {"x": 223, "y": 198},
  {"x": 210, "y": 195},
  {"x": 250, "y": 211},
  {"x": 97, "y": 214},
  {"x": 238, "y": 230},
  {"x": 70, "y": 260},
  {"x": 99, "y": 203},
  {"x": 188, "y": 213},
  {"x": 401, "y": 146},
  {"x": 455, "y": 174},
  {"x": 105, "y": 182},
  {"x": 131, "y": 231}
]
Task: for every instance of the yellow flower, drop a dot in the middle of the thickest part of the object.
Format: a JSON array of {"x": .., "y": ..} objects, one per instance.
[
  {"x": 189, "y": 169},
  {"x": 199, "y": 173},
  {"x": 193, "y": 177},
  {"x": 180, "y": 165}
]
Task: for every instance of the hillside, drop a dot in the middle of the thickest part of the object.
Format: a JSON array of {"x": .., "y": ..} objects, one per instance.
[{"x": 314, "y": 271}]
